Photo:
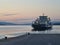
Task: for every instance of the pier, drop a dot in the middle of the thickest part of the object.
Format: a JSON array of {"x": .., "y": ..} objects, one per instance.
[{"x": 33, "y": 39}]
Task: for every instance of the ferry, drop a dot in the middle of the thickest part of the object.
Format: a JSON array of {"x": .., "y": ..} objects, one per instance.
[{"x": 42, "y": 23}]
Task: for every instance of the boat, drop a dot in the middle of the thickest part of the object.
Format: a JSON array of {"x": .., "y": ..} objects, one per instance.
[{"x": 42, "y": 23}]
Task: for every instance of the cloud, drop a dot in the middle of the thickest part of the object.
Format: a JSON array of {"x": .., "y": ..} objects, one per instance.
[
  {"x": 24, "y": 19},
  {"x": 9, "y": 14}
]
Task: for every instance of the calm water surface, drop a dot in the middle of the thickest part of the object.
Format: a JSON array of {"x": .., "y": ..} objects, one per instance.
[{"x": 11, "y": 31}]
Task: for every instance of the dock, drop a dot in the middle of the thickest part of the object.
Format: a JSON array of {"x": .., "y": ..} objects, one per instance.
[{"x": 33, "y": 39}]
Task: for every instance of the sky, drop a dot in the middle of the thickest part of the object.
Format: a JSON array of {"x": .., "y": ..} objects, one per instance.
[{"x": 20, "y": 11}]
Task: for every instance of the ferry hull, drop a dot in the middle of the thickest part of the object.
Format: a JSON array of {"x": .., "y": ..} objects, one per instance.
[{"x": 40, "y": 27}]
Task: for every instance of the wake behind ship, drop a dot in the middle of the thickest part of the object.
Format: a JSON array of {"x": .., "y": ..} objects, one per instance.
[{"x": 42, "y": 23}]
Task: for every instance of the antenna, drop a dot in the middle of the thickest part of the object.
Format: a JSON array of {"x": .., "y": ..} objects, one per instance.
[{"x": 43, "y": 14}]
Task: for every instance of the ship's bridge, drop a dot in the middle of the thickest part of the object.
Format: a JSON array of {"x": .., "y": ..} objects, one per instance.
[{"x": 43, "y": 19}]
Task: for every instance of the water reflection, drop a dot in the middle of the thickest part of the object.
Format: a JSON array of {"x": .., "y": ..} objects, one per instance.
[{"x": 12, "y": 31}]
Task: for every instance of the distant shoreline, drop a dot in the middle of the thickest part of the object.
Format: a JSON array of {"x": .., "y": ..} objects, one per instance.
[{"x": 26, "y": 24}]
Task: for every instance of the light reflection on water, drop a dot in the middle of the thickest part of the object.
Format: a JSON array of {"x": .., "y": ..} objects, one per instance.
[
  {"x": 15, "y": 29},
  {"x": 12, "y": 31}
]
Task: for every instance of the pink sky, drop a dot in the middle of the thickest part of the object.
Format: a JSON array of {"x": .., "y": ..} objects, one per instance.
[{"x": 10, "y": 10}]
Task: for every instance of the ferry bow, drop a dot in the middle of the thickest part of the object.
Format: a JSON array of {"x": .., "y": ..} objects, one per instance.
[{"x": 42, "y": 23}]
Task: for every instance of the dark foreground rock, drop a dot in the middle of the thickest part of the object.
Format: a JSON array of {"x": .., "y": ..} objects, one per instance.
[{"x": 33, "y": 39}]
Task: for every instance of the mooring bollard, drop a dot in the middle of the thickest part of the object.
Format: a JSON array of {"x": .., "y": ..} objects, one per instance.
[
  {"x": 5, "y": 37},
  {"x": 28, "y": 33}
]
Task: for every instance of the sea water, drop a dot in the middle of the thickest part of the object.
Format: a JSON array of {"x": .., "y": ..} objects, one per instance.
[{"x": 16, "y": 30}]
